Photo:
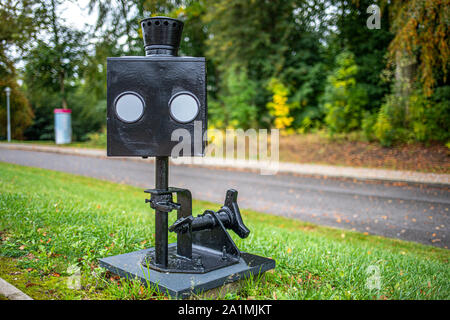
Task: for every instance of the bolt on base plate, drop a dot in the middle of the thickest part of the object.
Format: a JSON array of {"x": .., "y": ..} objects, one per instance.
[{"x": 182, "y": 285}]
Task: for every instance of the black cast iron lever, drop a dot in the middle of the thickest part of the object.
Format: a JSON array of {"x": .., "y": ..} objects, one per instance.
[{"x": 229, "y": 215}]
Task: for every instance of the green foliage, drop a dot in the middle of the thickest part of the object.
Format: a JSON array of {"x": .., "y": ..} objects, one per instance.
[
  {"x": 421, "y": 31},
  {"x": 20, "y": 110},
  {"x": 52, "y": 65},
  {"x": 271, "y": 39},
  {"x": 429, "y": 117},
  {"x": 367, "y": 125},
  {"x": 312, "y": 78},
  {"x": 383, "y": 129},
  {"x": 97, "y": 139},
  {"x": 414, "y": 118},
  {"x": 44, "y": 91},
  {"x": 368, "y": 46},
  {"x": 20, "y": 21},
  {"x": 88, "y": 114},
  {"x": 344, "y": 98},
  {"x": 42, "y": 128},
  {"x": 235, "y": 106},
  {"x": 120, "y": 20}
]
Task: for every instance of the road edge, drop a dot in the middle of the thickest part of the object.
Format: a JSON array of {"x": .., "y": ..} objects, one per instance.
[
  {"x": 359, "y": 173},
  {"x": 10, "y": 292}
]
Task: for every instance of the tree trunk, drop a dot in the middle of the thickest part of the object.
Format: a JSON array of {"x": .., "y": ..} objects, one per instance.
[
  {"x": 61, "y": 74},
  {"x": 63, "y": 93},
  {"x": 405, "y": 74}
]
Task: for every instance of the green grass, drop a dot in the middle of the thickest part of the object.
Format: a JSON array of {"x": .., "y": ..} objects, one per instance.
[
  {"x": 52, "y": 223},
  {"x": 51, "y": 143}
]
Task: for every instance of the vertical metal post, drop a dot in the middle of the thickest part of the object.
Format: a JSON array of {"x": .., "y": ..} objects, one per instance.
[
  {"x": 161, "y": 217},
  {"x": 168, "y": 47},
  {"x": 8, "y": 117}
]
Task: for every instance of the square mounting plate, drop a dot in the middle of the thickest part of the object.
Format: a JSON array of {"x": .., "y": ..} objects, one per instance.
[{"x": 182, "y": 285}]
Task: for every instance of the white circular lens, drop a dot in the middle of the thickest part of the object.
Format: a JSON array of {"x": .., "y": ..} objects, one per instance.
[
  {"x": 129, "y": 107},
  {"x": 184, "y": 107}
]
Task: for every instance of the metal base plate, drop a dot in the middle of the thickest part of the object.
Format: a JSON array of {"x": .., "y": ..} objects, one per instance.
[
  {"x": 203, "y": 260},
  {"x": 182, "y": 285}
]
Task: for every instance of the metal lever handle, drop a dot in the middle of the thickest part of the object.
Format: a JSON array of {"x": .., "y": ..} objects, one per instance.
[
  {"x": 229, "y": 215},
  {"x": 236, "y": 223}
]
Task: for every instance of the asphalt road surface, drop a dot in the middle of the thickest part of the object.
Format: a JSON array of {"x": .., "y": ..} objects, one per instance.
[{"x": 411, "y": 212}]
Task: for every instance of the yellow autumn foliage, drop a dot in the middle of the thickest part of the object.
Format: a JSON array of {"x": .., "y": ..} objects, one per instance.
[{"x": 279, "y": 107}]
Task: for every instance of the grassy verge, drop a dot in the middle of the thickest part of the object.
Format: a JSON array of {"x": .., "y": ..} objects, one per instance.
[
  {"x": 55, "y": 226},
  {"x": 51, "y": 143}
]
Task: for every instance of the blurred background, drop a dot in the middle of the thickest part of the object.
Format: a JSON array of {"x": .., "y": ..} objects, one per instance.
[{"x": 341, "y": 88}]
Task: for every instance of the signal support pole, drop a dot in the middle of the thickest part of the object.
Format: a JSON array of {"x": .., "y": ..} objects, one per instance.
[{"x": 161, "y": 217}]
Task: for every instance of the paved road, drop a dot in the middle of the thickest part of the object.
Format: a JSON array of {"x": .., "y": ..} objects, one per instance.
[{"x": 411, "y": 212}]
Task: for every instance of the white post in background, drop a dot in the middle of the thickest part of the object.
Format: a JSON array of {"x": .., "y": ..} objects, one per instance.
[{"x": 8, "y": 118}]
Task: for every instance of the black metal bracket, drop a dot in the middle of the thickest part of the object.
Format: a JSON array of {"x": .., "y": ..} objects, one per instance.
[{"x": 203, "y": 242}]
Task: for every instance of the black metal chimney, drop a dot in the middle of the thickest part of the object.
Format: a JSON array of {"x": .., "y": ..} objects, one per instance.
[{"x": 162, "y": 35}]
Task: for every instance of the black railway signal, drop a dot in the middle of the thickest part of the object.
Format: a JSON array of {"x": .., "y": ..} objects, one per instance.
[{"x": 148, "y": 99}]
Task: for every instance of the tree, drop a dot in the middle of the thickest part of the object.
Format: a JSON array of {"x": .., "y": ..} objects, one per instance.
[
  {"x": 21, "y": 112},
  {"x": 421, "y": 39},
  {"x": 369, "y": 46},
  {"x": 344, "y": 98},
  {"x": 271, "y": 39},
  {"x": 20, "y": 21},
  {"x": 118, "y": 20},
  {"x": 60, "y": 58},
  {"x": 418, "y": 108},
  {"x": 52, "y": 72},
  {"x": 279, "y": 107},
  {"x": 235, "y": 105}
]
